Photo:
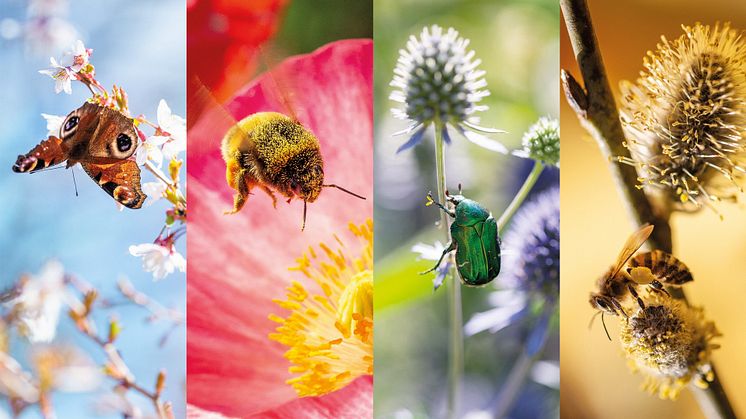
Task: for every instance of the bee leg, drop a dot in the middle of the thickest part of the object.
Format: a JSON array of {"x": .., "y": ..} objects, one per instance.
[
  {"x": 656, "y": 286},
  {"x": 237, "y": 179},
  {"x": 271, "y": 194},
  {"x": 447, "y": 250},
  {"x": 618, "y": 306},
  {"x": 634, "y": 293}
]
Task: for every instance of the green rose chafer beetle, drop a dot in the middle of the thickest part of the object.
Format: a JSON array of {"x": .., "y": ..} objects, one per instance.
[{"x": 474, "y": 238}]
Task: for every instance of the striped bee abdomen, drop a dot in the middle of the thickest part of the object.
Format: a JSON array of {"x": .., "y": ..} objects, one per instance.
[{"x": 666, "y": 268}]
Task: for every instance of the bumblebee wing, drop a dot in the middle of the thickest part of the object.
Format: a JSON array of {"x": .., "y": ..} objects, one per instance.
[
  {"x": 664, "y": 267},
  {"x": 634, "y": 242}
]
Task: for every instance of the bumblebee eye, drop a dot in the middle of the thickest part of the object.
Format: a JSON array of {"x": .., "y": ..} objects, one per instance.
[
  {"x": 124, "y": 143},
  {"x": 293, "y": 185},
  {"x": 70, "y": 124},
  {"x": 318, "y": 170}
]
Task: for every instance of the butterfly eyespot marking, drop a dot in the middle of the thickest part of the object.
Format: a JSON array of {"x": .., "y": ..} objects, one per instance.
[
  {"x": 71, "y": 123},
  {"x": 124, "y": 143}
]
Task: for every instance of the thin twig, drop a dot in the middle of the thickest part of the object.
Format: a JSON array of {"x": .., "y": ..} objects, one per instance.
[{"x": 595, "y": 107}]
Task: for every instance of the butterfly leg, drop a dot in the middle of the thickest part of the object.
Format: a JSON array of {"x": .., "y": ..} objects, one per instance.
[{"x": 238, "y": 179}]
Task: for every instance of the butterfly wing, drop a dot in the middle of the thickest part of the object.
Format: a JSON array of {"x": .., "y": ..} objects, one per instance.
[
  {"x": 120, "y": 179},
  {"x": 47, "y": 153}
]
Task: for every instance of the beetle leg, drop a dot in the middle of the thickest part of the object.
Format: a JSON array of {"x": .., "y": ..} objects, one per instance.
[{"x": 447, "y": 250}]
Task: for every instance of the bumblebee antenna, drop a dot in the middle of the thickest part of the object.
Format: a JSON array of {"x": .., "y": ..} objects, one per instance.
[
  {"x": 305, "y": 205},
  {"x": 344, "y": 190}
]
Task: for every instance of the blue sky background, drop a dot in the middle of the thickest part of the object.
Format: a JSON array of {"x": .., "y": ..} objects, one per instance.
[{"x": 139, "y": 45}]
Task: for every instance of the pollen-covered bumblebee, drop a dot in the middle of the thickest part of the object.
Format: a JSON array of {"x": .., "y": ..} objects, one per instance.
[{"x": 274, "y": 152}]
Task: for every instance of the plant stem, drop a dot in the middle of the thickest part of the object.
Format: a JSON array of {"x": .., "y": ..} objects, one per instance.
[
  {"x": 505, "y": 218},
  {"x": 596, "y": 109},
  {"x": 455, "y": 315},
  {"x": 517, "y": 376}
]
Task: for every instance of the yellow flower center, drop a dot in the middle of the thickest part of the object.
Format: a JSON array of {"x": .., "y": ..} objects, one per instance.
[{"x": 330, "y": 334}]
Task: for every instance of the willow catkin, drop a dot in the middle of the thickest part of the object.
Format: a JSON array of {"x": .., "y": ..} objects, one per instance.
[{"x": 685, "y": 117}]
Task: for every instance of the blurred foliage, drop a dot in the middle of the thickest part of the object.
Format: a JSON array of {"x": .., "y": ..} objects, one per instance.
[
  {"x": 517, "y": 42},
  {"x": 309, "y": 24}
]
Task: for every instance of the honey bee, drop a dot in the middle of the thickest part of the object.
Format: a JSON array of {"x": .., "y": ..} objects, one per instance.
[
  {"x": 654, "y": 269},
  {"x": 275, "y": 153}
]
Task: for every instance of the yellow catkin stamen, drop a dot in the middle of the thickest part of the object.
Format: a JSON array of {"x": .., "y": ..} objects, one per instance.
[
  {"x": 685, "y": 117},
  {"x": 670, "y": 343},
  {"x": 330, "y": 333}
]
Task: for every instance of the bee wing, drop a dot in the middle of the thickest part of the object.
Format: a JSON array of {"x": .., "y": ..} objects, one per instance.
[{"x": 634, "y": 242}]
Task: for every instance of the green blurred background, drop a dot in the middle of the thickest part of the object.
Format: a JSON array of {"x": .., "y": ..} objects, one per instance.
[{"x": 518, "y": 43}]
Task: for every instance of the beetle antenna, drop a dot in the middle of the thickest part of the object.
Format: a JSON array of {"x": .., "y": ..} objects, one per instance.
[
  {"x": 303, "y": 227},
  {"x": 343, "y": 190}
]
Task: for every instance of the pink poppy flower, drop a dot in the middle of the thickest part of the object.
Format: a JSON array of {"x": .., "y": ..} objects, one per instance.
[{"x": 238, "y": 264}]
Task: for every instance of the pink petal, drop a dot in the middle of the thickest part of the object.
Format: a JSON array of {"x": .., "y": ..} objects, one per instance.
[
  {"x": 352, "y": 402},
  {"x": 238, "y": 263}
]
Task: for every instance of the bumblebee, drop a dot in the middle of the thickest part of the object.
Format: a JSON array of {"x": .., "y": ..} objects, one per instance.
[{"x": 275, "y": 153}]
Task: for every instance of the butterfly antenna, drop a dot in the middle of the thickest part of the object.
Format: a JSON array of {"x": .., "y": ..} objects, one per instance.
[
  {"x": 344, "y": 190},
  {"x": 75, "y": 183},
  {"x": 305, "y": 205}
]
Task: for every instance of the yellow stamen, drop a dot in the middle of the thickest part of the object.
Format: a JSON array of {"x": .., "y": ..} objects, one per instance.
[{"x": 330, "y": 333}]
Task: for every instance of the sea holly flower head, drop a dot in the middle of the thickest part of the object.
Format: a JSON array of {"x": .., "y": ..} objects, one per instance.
[
  {"x": 439, "y": 84},
  {"x": 542, "y": 142}
]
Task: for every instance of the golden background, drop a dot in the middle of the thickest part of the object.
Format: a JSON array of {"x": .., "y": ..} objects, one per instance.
[{"x": 595, "y": 379}]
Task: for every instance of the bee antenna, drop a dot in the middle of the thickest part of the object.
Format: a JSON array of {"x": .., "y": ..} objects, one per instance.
[
  {"x": 605, "y": 329},
  {"x": 305, "y": 205},
  {"x": 343, "y": 190}
]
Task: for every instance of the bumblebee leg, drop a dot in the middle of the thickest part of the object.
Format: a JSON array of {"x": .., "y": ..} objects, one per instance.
[
  {"x": 634, "y": 293},
  {"x": 271, "y": 194},
  {"x": 447, "y": 250},
  {"x": 237, "y": 179}
]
